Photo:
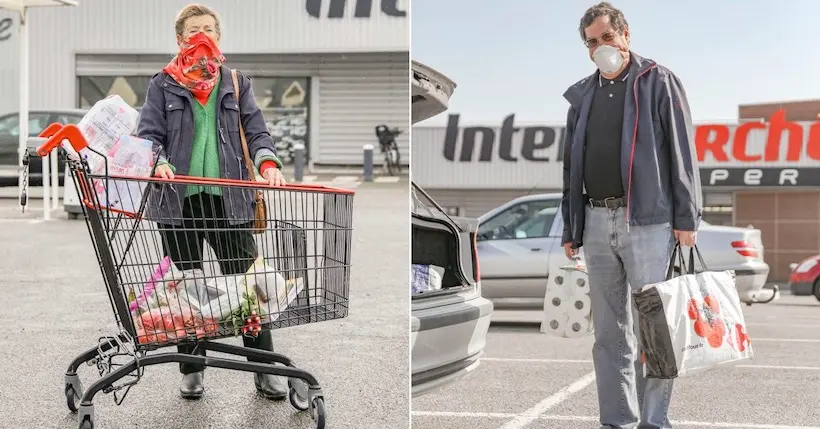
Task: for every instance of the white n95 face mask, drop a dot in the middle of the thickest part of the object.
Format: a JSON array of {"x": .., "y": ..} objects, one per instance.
[{"x": 608, "y": 58}]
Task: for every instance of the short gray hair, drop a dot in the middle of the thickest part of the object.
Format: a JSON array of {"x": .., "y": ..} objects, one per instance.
[{"x": 616, "y": 18}]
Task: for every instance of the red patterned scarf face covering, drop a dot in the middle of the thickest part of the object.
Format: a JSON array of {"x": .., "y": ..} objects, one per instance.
[{"x": 196, "y": 66}]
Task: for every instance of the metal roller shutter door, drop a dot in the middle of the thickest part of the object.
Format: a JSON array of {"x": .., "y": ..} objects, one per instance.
[{"x": 355, "y": 93}]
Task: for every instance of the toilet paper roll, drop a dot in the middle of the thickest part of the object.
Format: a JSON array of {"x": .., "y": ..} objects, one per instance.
[
  {"x": 555, "y": 325},
  {"x": 577, "y": 327},
  {"x": 580, "y": 283},
  {"x": 556, "y": 301},
  {"x": 579, "y": 305}
]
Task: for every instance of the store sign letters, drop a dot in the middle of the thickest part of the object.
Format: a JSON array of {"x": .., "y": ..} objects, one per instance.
[
  {"x": 776, "y": 140},
  {"x": 800, "y": 146},
  {"x": 746, "y": 177},
  {"x": 5, "y": 29},
  {"x": 362, "y": 8},
  {"x": 536, "y": 142}
]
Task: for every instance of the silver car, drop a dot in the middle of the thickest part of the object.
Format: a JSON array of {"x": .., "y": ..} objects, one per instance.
[
  {"x": 449, "y": 325},
  {"x": 519, "y": 241}
]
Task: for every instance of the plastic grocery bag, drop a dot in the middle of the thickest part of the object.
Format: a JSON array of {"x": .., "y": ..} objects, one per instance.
[
  {"x": 128, "y": 157},
  {"x": 104, "y": 124},
  {"x": 691, "y": 323},
  {"x": 567, "y": 306},
  {"x": 426, "y": 278},
  {"x": 266, "y": 281}
]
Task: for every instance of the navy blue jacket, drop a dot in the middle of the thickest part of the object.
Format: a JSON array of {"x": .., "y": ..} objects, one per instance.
[
  {"x": 167, "y": 119},
  {"x": 658, "y": 158}
]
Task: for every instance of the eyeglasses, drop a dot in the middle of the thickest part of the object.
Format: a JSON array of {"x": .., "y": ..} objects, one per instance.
[{"x": 607, "y": 37}]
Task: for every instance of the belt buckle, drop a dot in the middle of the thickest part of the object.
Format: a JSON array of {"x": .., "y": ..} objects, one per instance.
[{"x": 606, "y": 202}]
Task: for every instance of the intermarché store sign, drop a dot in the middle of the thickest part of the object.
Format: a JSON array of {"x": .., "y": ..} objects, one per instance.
[
  {"x": 5, "y": 29},
  {"x": 360, "y": 8},
  {"x": 776, "y": 152}
]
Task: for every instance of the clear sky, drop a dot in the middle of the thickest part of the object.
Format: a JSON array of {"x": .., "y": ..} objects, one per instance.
[{"x": 519, "y": 56}]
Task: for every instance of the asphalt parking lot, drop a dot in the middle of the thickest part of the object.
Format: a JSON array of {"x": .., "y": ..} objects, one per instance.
[
  {"x": 54, "y": 306},
  {"x": 535, "y": 381}
]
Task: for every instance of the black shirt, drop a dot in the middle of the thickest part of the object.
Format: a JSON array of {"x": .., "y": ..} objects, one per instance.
[{"x": 602, "y": 157}]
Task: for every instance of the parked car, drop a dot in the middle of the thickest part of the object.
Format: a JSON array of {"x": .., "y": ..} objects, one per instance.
[
  {"x": 520, "y": 240},
  {"x": 9, "y": 141},
  {"x": 449, "y": 325},
  {"x": 805, "y": 277}
]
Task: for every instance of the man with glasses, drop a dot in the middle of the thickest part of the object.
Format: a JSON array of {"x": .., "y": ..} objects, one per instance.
[{"x": 631, "y": 191}]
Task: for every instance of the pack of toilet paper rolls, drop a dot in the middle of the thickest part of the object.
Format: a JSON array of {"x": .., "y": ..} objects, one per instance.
[{"x": 567, "y": 306}]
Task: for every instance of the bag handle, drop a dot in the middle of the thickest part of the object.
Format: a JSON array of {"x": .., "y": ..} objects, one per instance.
[
  {"x": 692, "y": 250},
  {"x": 242, "y": 138},
  {"x": 676, "y": 252}
]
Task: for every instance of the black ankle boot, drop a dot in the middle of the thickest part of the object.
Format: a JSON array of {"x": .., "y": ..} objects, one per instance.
[
  {"x": 191, "y": 387},
  {"x": 270, "y": 386}
]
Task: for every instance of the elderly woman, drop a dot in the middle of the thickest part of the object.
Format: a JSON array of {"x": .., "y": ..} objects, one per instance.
[{"x": 193, "y": 116}]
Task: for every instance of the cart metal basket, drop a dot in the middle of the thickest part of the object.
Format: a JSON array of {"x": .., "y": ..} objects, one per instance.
[{"x": 167, "y": 289}]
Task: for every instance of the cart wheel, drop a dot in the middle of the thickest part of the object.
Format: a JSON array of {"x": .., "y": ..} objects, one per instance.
[
  {"x": 73, "y": 216},
  {"x": 296, "y": 399},
  {"x": 71, "y": 397},
  {"x": 87, "y": 423},
  {"x": 317, "y": 411}
]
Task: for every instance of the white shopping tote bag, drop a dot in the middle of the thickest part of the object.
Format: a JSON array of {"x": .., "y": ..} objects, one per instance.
[{"x": 691, "y": 323}]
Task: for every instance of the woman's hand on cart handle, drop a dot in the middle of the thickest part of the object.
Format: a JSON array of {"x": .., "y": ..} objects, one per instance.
[
  {"x": 274, "y": 176},
  {"x": 164, "y": 171}
]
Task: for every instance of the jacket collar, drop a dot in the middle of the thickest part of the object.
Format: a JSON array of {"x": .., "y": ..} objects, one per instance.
[{"x": 575, "y": 94}]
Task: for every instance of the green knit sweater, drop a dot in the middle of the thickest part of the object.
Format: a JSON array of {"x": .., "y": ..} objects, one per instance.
[{"x": 205, "y": 151}]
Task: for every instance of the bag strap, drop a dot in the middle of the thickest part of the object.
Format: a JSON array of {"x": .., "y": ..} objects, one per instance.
[
  {"x": 694, "y": 249},
  {"x": 245, "y": 151},
  {"x": 676, "y": 252}
]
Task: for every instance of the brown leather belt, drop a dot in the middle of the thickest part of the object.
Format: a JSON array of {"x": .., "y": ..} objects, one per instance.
[{"x": 610, "y": 203}]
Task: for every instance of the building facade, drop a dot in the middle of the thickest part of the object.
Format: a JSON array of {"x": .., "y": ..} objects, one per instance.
[
  {"x": 324, "y": 72},
  {"x": 760, "y": 173}
]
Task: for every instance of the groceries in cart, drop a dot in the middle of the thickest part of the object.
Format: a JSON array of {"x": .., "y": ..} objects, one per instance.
[
  {"x": 567, "y": 305},
  {"x": 108, "y": 127},
  {"x": 426, "y": 278},
  {"x": 691, "y": 323},
  {"x": 176, "y": 304},
  {"x": 103, "y": 125}
]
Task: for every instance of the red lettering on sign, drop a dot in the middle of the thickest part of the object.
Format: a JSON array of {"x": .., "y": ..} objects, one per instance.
[
  {"x": 777, "y": 125},
  {"x": 714, "y": 138},
  {"x": 741, "y": 134},
  {"x": 702, "y": 142}
]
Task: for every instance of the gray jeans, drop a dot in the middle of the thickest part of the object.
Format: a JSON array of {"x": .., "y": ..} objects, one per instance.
[{"x": 619, "y": 261}]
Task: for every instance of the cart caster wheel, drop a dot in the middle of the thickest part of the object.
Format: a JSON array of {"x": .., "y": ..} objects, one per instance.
[
  {"x": 297, "y": 394},
  {"x": 317, "y": 411},
  {"x": 71, "y": 397},
  {"x": 73, "y": 216}
]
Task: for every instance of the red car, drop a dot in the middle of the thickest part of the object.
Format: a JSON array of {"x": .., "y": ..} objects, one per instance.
[{"x": 805, "y": 277}]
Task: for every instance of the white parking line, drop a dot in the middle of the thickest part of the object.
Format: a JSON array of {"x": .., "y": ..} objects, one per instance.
[
  {"x": 690, "y": 423},
  {"x": 532, "y": 414},
  {"x": 589, "y": 361},
  {"x": 784, "y": 340},
  {"x": 728, "y": 425},
  {"x": 463, "y": 414},
  {"x": 774, "y": 325}
]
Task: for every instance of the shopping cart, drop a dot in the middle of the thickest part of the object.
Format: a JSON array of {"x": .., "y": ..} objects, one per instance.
[{"x": 167, "y": 290}]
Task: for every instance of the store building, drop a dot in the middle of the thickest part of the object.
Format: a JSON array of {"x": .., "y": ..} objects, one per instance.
[
  {"x": 325, "y": 72},
  {"x": 761, "y": 173}
]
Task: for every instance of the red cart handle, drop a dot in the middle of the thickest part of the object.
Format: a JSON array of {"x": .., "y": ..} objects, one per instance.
[{"x": 56, "y": 133}]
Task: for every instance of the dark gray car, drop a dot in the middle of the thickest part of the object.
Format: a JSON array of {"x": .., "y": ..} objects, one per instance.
[{"x": 38, "y": 120}]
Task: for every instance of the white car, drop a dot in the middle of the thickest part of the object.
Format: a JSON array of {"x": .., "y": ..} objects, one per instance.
[
  {"x": 518, "y": 242},
  {"x": 449, "y": 325}
]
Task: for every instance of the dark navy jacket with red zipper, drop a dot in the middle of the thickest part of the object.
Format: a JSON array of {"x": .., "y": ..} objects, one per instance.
[{"x": 660, "y": 167}]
